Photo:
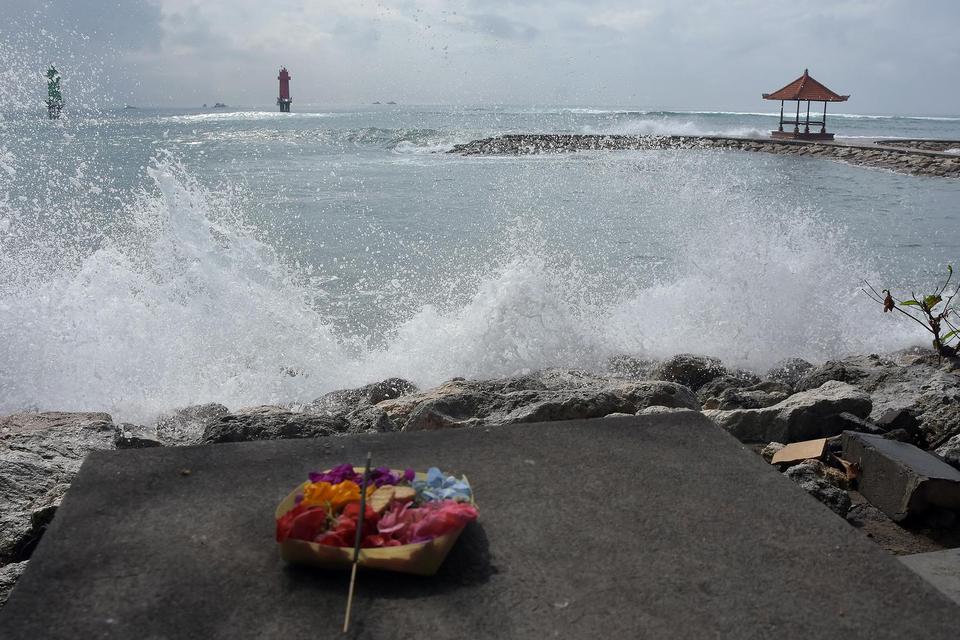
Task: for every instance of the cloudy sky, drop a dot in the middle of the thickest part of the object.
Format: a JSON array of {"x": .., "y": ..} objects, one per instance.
[{"x": 893, "y": 56}]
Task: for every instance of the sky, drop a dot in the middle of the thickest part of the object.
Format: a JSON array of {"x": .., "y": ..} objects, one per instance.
[{"x": 892, "y": 56}]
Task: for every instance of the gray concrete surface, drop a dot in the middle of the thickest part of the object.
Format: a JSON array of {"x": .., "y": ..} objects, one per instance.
[
  {"x": 639, "y": 527},
  {"x": 939, "y": 568},
  {"x": 900, "y": 479}
]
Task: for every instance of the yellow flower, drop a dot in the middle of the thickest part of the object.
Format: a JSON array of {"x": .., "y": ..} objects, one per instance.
[{"x": 332, "y": 496}]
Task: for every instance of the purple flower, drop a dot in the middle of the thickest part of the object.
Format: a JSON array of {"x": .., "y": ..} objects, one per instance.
[{"x": 338, "y": 474}]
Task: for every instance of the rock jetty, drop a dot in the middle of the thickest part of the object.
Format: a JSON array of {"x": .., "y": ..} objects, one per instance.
[
  {"x": 911, "y": 397},
  {"x": 915, "y": 157}
]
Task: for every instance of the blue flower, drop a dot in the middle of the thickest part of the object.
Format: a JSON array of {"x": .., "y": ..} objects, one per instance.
[{"x": 438, "y": 486}]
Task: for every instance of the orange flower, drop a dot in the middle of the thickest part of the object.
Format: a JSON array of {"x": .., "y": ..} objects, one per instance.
[{"x": 332, "y": 496}]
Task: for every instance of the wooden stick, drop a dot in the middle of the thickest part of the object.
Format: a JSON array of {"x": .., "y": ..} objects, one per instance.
[{"x": 357, "y": 542}]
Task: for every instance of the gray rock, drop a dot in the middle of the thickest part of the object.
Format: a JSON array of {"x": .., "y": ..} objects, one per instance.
[
  {"x": 856, "y": 371},
  {"x": 900, "y": 479},
  {"x": 770, "y": 450},
  {"x": 271, "y": 423},
  {"x": 9, "y": 575},
  {"x": 135, "y": 436},
  {"x": 716, "y": 387},
  {"x": 542, "y": 396},
  {"x": 689, "y": 370},
  {"x": 186, "y": 426},
  {"x": 789, "y": 371},
  {"x": 950, "y": 451},
  {"x": 809, "y": 475},
  {"x": 907, "y": 385},
  {"x": 342, "y": 402},
  {"x": 802, "y": 416},
  {"x": 39, "y": 455},
  {"x": 744, "y": 399}
]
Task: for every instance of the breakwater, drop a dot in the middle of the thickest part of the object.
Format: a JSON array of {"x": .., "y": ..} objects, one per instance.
[{"x": 916, "y": 158}]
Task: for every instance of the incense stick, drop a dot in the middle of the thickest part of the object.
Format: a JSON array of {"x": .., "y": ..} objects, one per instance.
[{"x": 356, "y": 544}]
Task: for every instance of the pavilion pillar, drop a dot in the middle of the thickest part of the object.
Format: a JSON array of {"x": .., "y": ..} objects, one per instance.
[
  {"x": 806, "y": 128},
  {"x": 823, "y": 126},
  {"x": 796, "y": 121},
  {"x": 780, "y": 128}
]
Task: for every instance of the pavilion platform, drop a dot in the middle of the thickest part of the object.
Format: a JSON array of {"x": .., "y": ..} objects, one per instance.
[{"x": 658, "y": 526}]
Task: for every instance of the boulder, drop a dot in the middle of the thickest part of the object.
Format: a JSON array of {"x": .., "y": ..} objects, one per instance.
[
  {"x": 135, "y": 436},
  {"x": 186, "y": 426},
  {"x": 903, "y": 388},
  {"x": 950, "y": 451},
  {"x": 271, "y": 423},
  {"x": 39, "y": 455},
  {"x": 747, "y": 398},
  {"x": 542, "y": 396},
  {"x": 811, "y": 475},
  {"x": 345, "y": 401},
  {"x": 770, "y": 450},
  {"x": 900, "y": 479},
  {"x": 690, "y": 370},
  {"x": 802, "y": 416},
  {"x": 9, "y": 575}
]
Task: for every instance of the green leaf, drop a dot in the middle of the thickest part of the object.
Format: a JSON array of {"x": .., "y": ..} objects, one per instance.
[
  {"x": 949, "y": 335},
  {"x": 931, "y": 301},
  {"x": 909, "y": 303}
]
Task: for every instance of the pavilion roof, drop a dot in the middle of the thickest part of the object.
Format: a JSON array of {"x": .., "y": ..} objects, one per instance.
[{"x": 805, "y": 88}]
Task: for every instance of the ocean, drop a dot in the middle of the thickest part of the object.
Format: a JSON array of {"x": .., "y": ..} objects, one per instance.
[{"x": 156, "y": 258}]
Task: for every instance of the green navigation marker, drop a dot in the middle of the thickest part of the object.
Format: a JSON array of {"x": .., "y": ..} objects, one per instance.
[{"x": 54, "y": 97}]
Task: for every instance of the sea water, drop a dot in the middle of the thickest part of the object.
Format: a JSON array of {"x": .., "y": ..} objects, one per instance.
[{"x": 155, "y": 258}]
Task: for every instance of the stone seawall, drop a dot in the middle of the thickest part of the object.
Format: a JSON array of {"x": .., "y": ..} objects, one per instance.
[{"x": 902, "y": 159}]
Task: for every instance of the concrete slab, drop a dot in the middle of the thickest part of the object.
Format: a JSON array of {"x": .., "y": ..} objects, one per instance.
[
  {"x": 655, "y": 527},
  {"x": 900, "y": 479},
  {"x": 939, "y": 568}
]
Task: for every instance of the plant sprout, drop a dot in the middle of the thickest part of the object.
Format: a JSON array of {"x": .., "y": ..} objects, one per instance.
[{"x": 932, "y": 312}]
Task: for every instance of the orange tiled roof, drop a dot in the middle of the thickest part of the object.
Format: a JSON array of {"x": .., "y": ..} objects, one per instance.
[{"x": 805, "y": 88}]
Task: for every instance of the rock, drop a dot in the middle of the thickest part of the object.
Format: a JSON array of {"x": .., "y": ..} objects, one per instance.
[
  {"x": 811, "y": 476},
  {"x": 717, "y": 386},
  {"x": 850, "y": 422},
  {"x": 920, "y": 384},
  {"x": 853, "y": 371},
  {"x": 744, "y": 399},
  {"x": 658, "y": 410},
  {"x": 690, "y": 370},
  {"x": 39, "y": 455},
  {"x": 950, "y": 451},
  {"x": 900, "y": 479},
  {"x": 770, "y": 450},
  {"x": 186, "y": 426},
  {"x": 802, "y": 416},
  {"x": 542, "y": 396},
  {"x": 135, "y": 436},
  {"x": 340, "y": 403},
  {"x": 271, "y": 423},
  {"x": 789, "y": 371},
  {"x": 9, "y": 575}
]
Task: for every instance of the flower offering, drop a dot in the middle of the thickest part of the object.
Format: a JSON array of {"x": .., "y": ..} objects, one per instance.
[{"x": 410, "y": 520}]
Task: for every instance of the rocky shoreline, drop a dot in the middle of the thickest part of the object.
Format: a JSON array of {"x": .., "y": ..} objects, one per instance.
[
  {"x": 914, "y": 157},
  {"x": 910, "y": 396}
]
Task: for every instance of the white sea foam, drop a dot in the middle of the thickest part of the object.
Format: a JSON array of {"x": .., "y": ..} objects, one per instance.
[
  {"x": 231, "y": 116},
  {"x": 183, "y": 305},
  {"x": 673, "y": 127}
]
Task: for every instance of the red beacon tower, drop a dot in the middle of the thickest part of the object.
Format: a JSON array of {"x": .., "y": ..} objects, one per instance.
[{"x": 284, "y": 100}]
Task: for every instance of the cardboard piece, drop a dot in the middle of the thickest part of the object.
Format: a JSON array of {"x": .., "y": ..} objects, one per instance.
[{"x": 800, "y": 451}]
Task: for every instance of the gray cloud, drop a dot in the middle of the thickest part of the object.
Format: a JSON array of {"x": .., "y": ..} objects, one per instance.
[{"x": 716, "y": 54}]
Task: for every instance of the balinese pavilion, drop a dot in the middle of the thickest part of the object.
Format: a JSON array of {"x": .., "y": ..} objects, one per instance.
[{"x": 804, "y": 88}]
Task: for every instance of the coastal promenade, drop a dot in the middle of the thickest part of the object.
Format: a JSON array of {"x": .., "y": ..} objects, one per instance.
[
  {"x": 657, "y": 526},
  {"x": 915, "y": 157}
]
